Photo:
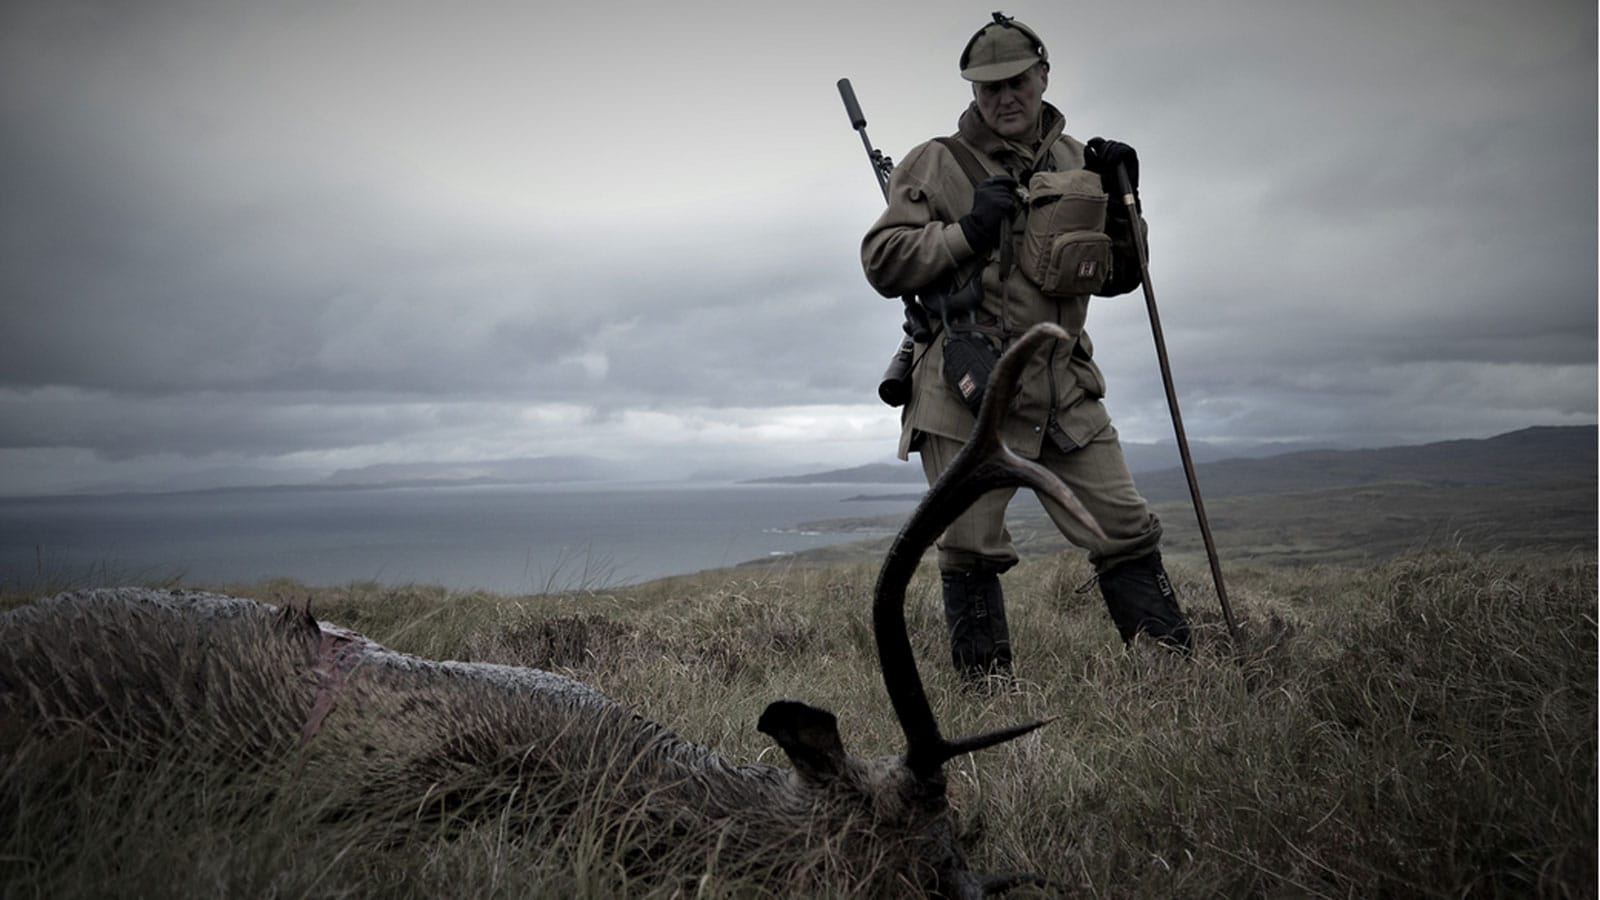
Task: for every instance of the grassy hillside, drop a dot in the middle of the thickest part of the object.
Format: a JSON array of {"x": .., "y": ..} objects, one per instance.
[{"x": 1425, "y": 728}]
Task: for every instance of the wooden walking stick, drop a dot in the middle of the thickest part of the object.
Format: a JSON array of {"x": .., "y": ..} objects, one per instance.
[{"x": 1126, "y": 185}]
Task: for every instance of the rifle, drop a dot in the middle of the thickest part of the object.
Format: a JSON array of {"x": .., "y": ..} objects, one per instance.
[{"x": 895, "y": 387}]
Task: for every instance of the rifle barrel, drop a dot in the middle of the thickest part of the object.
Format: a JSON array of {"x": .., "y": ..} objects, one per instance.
[
  {"x": 851, "y": 107},
  {"x": 858, "y": 121}
]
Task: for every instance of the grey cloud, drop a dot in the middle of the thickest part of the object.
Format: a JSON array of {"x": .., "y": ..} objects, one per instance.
[
  {"x": 119, "y": 427},
  {"x": 236, "y": 229}
]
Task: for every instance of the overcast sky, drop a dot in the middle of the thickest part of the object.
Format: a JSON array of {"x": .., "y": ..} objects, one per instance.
[{"x": 303, "y": 236}]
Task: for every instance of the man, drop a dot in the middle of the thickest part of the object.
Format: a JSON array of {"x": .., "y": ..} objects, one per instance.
[{"x": 957, "y": 234}]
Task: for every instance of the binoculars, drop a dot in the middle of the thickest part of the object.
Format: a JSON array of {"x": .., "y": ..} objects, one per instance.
[{"x": 895, "y": 388}]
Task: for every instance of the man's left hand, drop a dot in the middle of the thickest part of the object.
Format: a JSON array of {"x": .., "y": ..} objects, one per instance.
[{"x": 1101, "y": 157}]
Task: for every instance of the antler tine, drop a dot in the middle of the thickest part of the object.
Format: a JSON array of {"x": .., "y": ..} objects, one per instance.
[
  {"x": 957, "y": 746},
  {"x": 983, "y": 465}
]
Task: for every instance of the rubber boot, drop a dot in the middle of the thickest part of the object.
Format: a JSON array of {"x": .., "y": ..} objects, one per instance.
[
  {"x": 1140, "y": 598},
  {"x": 975, "y": 611}
]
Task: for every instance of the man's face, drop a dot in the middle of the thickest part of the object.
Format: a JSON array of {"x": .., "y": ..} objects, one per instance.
[{"x": 1011, "y": 107}]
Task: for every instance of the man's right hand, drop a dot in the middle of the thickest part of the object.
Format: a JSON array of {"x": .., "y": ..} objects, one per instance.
[
  {"x": 955, "y": 302},
  {"x": 993, "y": 202}
]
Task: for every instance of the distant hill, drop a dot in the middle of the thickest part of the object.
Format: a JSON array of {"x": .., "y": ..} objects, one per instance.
[
  {"x": 493, "y": 471},
  {"x": 1529, "y": 455},
  {"x": 872, "y": 473},
  {"x": 1153, "y": 457},
  {"x": 1528, "y": 491},
  {"x": 1141, "y": 457}
]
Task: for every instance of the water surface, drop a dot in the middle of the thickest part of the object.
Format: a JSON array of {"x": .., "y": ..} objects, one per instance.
[{"x": 502, "y": 538}]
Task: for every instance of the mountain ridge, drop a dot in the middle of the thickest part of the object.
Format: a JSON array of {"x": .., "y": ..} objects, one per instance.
[
  {"x": 1467, "y": 460},
  {"x": 1527, "y": 491},
  {"x": 1538, "y": 454}
]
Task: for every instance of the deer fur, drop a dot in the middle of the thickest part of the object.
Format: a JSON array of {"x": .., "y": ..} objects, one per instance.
[{"x": 248, "y": 682}]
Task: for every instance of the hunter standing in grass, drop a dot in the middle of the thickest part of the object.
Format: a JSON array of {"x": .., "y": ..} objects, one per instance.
[{"x": 987, "y": 260}]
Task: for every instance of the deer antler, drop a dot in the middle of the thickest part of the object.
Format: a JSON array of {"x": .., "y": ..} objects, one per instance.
[{"x": 983, "y": 465}]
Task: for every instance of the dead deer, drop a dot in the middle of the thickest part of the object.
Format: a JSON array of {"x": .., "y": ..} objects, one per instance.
[{"x": 250, "y": 681}]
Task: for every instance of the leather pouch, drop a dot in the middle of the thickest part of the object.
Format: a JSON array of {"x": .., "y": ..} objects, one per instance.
[{"x": 1065, "y": 250}]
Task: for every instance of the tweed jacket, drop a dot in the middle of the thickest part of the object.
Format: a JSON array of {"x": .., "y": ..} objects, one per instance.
[{"x": 916, "y": 243}]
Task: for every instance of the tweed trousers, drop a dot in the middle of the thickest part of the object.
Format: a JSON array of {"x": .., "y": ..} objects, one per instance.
[{"x": 978, "y": 541}]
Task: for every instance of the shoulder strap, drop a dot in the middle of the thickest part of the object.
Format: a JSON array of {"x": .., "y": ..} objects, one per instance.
[
  {"x": 975, "y": 170},
  {"x": 969, "y": 163}
]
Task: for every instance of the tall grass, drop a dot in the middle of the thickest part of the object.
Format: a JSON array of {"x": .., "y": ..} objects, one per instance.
[{"x": 1426, "y": 728}]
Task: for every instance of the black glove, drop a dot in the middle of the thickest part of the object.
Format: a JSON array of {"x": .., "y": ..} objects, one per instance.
[
  {"x": 1101, "y": 157},
  {"x": 949, "y": 302},
  {"x": 993, "y": 202},
  {"x": 917, "y": 326}
]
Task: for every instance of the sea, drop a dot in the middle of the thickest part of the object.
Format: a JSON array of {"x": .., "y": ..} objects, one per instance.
[{"x": 510, "y": 539}]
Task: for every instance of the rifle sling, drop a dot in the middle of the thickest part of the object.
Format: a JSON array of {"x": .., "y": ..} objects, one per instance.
[{"x": 969, "y": 163}]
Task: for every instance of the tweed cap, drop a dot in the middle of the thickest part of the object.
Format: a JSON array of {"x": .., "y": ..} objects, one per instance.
[{"x": 1002, "y": 49}]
